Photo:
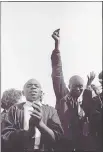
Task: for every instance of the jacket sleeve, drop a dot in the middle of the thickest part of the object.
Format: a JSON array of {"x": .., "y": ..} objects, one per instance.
[
  {"x": 96, "y": 112},
  {"x": 55, "y": 124},
  {"x": 87, "y": 102},
  {"x": 11, "y": 134},
  {"x": 59, "y": 86}
]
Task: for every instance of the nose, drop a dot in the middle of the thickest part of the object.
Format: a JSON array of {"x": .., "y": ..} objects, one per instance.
[
  {"x": 78, "y": 89},
  {"x": 33, "y": 87}
]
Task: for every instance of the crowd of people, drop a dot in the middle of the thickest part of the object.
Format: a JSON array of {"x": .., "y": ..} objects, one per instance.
[{"x": 73, "y": 125}]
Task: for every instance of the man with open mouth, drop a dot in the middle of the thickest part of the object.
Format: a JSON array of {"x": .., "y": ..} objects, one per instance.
[{"x": 31, "y": 126}]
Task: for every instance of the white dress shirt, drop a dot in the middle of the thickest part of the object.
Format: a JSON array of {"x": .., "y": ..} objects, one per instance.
[{"x": 27, "y": 108}]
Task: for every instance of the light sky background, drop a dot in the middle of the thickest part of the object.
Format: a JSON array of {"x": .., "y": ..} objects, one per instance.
[{"x": 26, "y": 43}]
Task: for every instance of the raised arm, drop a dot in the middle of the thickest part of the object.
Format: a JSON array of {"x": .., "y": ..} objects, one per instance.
[
  {"x": 87, "y": 95},
  {"x": 59, "y": 86}
]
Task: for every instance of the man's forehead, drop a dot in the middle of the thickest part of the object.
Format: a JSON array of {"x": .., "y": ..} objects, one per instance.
[
  {"x": 76, "y": 80},
  {"x": 77, "y": 84},
  {"x": 32, "y": 81}
]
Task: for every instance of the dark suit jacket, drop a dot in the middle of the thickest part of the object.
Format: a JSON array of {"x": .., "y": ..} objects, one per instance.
[{"x": 15, "y": 139}]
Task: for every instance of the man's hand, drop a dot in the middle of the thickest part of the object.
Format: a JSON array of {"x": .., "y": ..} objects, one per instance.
[
  {"x": 36, "y": 121},
  {"x": 56, "y": 35},
  {"x": 90, "y": 77},
  {"x": 36, "y": 115}
]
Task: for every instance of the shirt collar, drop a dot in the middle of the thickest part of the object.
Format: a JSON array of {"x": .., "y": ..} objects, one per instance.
[
  {"x": 72, "y": 102},
  {"x": 30, "y": 103},
  {"x": 71, "y": 98}
]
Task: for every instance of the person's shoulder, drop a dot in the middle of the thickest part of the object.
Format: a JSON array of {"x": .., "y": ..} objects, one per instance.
[
  {"x": 49, "y": 109},
  {"x": 20, "y": 105},
  {"x": 66, "y": 97},
  {"x": 48, "y": 106},
  {"x": 17, "y": 106}
]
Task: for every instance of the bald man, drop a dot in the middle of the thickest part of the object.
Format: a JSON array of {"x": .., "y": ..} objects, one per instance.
[
  {"x": 31, "y": 126},
  {"x": 69, "y": 109}
]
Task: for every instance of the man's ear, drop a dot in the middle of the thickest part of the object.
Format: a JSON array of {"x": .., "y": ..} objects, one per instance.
[
  {"x": 69, "y": 86},
  {"x": 41, "y": 92}
]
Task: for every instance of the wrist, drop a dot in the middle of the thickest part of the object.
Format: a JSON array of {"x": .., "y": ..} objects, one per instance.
[
  {"x": 57, "y": 43},
  {"x": 88, "y": 86},
  {"x": 41, "y": 125}
]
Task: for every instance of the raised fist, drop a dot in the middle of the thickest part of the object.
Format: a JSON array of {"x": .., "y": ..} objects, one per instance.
[{"x": 56, "y": 35}]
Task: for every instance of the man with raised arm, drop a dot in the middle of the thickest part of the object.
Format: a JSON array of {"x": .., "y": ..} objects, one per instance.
[
  {"x": 30, "y": 126},
  {"x": 69, "y": 109}
]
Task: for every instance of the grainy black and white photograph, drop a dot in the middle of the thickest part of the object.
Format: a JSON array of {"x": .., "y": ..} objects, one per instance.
[{"x": 51, "y": 76}]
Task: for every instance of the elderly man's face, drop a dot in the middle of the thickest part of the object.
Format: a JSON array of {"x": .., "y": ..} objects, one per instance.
[
  {"x": 32, "y": 90},
  {"x": 76, "y": 90},
  {"x": 76, "y": 84}
]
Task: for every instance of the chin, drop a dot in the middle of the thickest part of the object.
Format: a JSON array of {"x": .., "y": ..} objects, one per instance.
[
  {"x": 31, "y": 100},
  {"x": 78, "y": 96}
]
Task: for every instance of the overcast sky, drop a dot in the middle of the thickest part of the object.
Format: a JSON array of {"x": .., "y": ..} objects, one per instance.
[{"x": 26, "y": 43}]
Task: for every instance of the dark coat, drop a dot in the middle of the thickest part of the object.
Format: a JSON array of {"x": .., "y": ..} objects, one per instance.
[{"x": 15, "y": 139}]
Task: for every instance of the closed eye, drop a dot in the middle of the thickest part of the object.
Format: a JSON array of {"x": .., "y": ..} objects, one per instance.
[
  {"x": 36, "y": 86},
  {"x": 29, "y": 85}
]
